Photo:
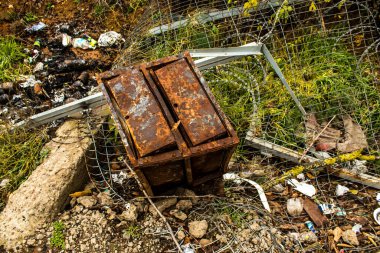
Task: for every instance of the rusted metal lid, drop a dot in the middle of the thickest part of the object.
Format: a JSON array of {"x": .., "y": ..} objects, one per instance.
[
  {"x": 142, "y": 114},
  {"x": 189, "y": 101}
]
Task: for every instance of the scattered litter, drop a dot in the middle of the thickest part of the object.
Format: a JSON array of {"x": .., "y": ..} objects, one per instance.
[
  {"x": 119, "y": 177},
  {"x": 66, "y": 40},
  {"x": 304, "y": 188},
  {"x": 59, "y": 97},
  {"x": 376, "y": 215},
  {"x": 310, "y": 226},
  {"x": 341, "y": 190},
  {"x": 238, "y": 180},
  {"x": 4, "y": 182},
  {"x": 378, "y": 197},
  {"x": 29, "y": 82},
  {"x": 301, "y": 177},
  {"x": 356, "y": 228},
  {"x": 331, "y": 209},
  {"x": 358, "y": 166},
  {"x": 37, "y": 27},
  {"x": 39, "y": 67},
  {"x": 188, "y": 248},
  {"x": 110, "y": 39},
  {"x": 313, "y": 211},
  {"x": 84, "y": 43},
  {"x": 33, "y": 56},
  {"x": 294, "y": 206}
]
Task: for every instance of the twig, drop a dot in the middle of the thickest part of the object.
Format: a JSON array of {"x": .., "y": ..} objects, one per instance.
[
  {"x": 315, "y": 139},
  {"x": 155, "y": 207}
]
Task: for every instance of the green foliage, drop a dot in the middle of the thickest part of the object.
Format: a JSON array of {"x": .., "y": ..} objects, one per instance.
[
  {"x": 57, "y": 239},
  {"x": 133, "y": 231},
  {"x": 99, "y": 10},
  {"x": 11, "y": 54},
  {"x": 237, "y": 215},
  {"x": 21, "y": 151},
  {"x": 30, "y": 17}
]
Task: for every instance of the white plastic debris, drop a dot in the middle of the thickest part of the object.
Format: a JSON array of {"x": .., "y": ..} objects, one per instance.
[
  {"x": 301, "y": 177},
  {"x": 37, "y": 27},
  {"x": 66, "y": 40},
  {"x": 304, "y": 188},
  {"x": 4, "y": 182},
  {"x": 188, "y": 248},
  {"x": 29, "y": 82},
  {"x": 120, "y": 177},
  {"x": 358, "y": 166},
  {"x": 83, "y": 43},
  {"x": 376, "y": 215},
  {"x": 110, "y": 39},
  {"x": 341, "y": 190},
  {"x": 294, "y": 206},
  {"x": 378, "y": 197},
  {"x": 356, "y": 228},
  {"x": 39, "y": 67},
  {"x": 239, "y": 180}
]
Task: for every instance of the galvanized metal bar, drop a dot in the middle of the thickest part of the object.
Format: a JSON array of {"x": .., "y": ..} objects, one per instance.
[
  {"x": 229, "y": 51},
  {"x": 294, "y": 156},
  {"x": 277, "y": 69}
]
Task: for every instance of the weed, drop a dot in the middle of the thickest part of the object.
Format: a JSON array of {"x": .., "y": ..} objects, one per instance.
[
  {"x": 57, "y": 239},
  {"x": 11, "y": 54},
  {"x": 132, "y": 232},
  {"x": 237, "y": 215},
  {"x": 49, "y": 6},
  {"x": 30, "y": 17},
  {"x": 99, "y": 10},
  {"x": 21, "y": 151}
]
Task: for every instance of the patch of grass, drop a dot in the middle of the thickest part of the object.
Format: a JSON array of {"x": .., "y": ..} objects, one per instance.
[
  {"x": 21, "y": 151},
  {"x": 30, "y": 17},
  {"x": 237, "y": 216},
  {"x": 57, "y": 239},
  {"x": 133, "y": 231},
  {"x": 100, "y": 10},
  {"x": 11, "y": 56}
]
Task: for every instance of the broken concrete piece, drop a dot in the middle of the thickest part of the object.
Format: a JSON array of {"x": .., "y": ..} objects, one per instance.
[
  {"x": 198, "y": 228},
  {"x": 313, "y": 211},
  {"x": 44, "y": 194}
]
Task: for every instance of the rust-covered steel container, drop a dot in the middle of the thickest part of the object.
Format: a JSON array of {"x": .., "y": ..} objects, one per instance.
[{"x": 173, "y": 129}]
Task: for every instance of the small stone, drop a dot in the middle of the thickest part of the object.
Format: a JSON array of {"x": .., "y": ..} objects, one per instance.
[
  {"x": 39, "y": 67},
  {"x": 198, "y": 228},
  {"x": 4, "y": 182},
  {"x": 255, "y": 226},
  {"x": 278, "y": 188},
  {"x": 83, "y": 77},
  {"x": 308, "y": 237},
  {"x": 78, "y": 84},
  {"x": 350, "y": 237},
  {"x": 181, "y": 235},
  {"x": 178, "y": 214},
  {"x": 40, "y": 237},
  {"x": 31, "y": 242},
  {"x": 163, "y": 204},
  {"x": 105, "y": 199},
  {"x": 221, "y": 238},
  {"x": 204, "y": 242},
  {"x": 184, "y": 205},
  {"x": 130, "y": 214},
  {"x": 87, "y": 201}
]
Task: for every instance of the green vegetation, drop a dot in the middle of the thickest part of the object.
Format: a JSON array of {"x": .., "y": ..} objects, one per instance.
[
  {"x": 30, "y": 17},
  {"x": 133, "y": 231},
  {"x": 11, "y": 56},
  {"x": 237, "y": 215},
  {"x": 21, "y": 151},
  {"x": 57, "y": 239}
]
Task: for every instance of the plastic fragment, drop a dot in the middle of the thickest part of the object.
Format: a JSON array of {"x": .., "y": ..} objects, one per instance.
[
  {"x": 304, "y": 188},
  {"x": 37, "y": 27},
  {"x": 378, "y": 197},
  {"x": 356, "y": 228},
  {"x": 310, "y": 226},
  {"x": 294, "y": 206},
  {"x": 84, "y": 43},
  {"x": 29, "y": 82},
  {"x": 110, "y": 39},
  {"x": 376, "y": 215},
  {"x": 341, "y": 190},
  {"x": 66, "y": 40},
  {"x": 239, "y": 180}
]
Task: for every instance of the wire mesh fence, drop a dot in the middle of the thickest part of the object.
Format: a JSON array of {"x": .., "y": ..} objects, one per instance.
[{"x": 328, "y": 52}]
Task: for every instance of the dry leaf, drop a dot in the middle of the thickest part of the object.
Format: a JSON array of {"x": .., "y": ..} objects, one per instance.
[{"x": 337, "y": 232}]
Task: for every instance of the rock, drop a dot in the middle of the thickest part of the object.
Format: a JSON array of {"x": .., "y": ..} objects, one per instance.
[
  {"x": 178, "y": 214},
  {"x": 105, "y": 199},
  {"x": 184, "y": 205},
  {"x": 39, "y": 67},
  {"x": 204, "y": 242},
  {"x": 198, "y": 228},
  {"x": 31, "y": 242},
  {"x": 308, "y": 237},
  {"x": 4, "y": 182},
  {"x": 7, "y": 86},
  {"x": 163, "y": 204},
  {"x": 221, "y": 238},
  {"x": 40, "y": 237},
  {"x": 181, "y": 235},
  {"x": 350, "y": 237},
  {"x": 87, "y": 201},
  {"x": 187, "y": 194},
  {"x": 130, "y": 214},
  {"x": 83, "y": 77}
]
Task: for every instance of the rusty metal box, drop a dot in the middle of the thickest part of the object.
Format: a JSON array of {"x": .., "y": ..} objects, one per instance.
[{"x": 173, "y": 129}]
